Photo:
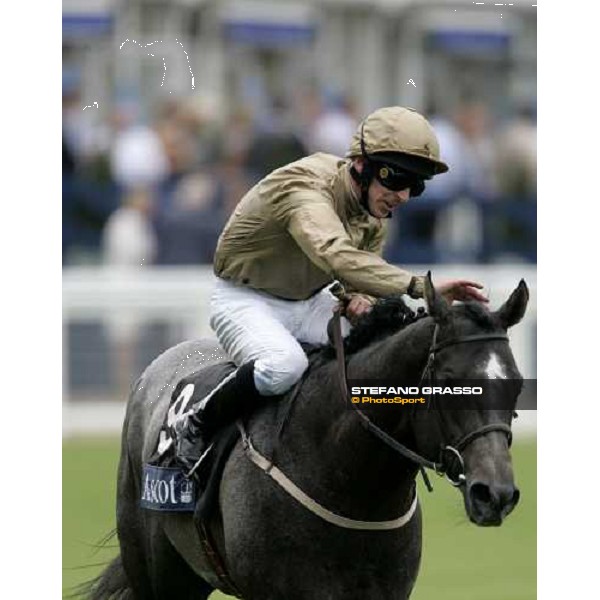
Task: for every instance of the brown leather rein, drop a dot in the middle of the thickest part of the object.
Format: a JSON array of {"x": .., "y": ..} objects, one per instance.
[{"x": 451, "y": 452}]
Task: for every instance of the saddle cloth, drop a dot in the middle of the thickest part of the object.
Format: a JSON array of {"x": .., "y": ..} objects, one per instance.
[
  {"x": 188, "y": 393},
  {"x": 161, "y": 470}
]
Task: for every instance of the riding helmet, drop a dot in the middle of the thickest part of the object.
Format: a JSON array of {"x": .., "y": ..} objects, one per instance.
[{"x": 399, "y": 136}]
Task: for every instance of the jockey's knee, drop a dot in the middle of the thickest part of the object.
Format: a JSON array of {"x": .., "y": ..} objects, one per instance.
[{"x": 277, "y": 373}]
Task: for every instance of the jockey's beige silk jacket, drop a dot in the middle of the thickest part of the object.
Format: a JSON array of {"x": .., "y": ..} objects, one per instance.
[{"x": 302, "y": 227}]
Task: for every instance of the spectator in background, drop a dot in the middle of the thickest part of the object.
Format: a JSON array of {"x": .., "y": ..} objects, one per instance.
[
  {"x": 517, "y": 156},
  {"x": 472, "y": 120},
  {"x": 85, "y": 209},
  {"x": 233, "y": 154},
  {"x": 128, "y": 238},
  {"x": 82, "y": 130},
  {"x": 128, "y": 245},
  {"x": 190, "y": 209},
  {"x": 452, "y": 183},
  {"x": 190, "y": 220},
  {"x": 88, "y": 198},
  {"x": 138, "y": 157},
  {"x": 458, "y": 233},
  {"x": 275, "y": 144},
  {"x": 333, "y": 128},
  {"x": 512, "y": 224},
  {"x": 307, "y": 108}
]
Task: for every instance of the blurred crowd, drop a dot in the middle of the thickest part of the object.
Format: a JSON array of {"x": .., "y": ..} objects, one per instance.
[{"x": 159, "y": 189}]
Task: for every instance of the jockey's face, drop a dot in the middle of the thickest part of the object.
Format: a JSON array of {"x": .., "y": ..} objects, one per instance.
[{"x": 383, "y": 201}]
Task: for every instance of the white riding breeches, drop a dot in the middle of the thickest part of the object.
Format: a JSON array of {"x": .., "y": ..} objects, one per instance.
[{"x": 253, "y": 325}]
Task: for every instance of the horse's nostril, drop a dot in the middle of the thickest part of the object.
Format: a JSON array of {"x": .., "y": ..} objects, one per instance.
[
  {"x": 515, "y": 497},
  {"x": 500, "y": 497},
  {"x": 505, "y": 496},
  {"x": 480, "y": 492}
]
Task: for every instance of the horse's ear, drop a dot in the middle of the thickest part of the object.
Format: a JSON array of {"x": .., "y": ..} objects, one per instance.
[
  {"x": 513, "y": 310},
  {"x": 437, "y": 306}
]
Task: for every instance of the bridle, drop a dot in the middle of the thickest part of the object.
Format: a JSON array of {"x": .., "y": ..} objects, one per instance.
[
  {"x": 455, "y": 449},
  {"x": 449, "y": 453}
]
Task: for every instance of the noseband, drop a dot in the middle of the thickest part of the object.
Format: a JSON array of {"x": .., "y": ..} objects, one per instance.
[{"x": 449, "y": 454}]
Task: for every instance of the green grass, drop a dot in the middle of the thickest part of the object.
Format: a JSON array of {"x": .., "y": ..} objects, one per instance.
[
  {"x": 460, "y": 561},
  {"x": 89, "y": 490},
  {"x": 465, "y": 562}
]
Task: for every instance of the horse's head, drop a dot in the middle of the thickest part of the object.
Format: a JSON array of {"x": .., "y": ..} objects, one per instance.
[{"x": 471, "y": 345}]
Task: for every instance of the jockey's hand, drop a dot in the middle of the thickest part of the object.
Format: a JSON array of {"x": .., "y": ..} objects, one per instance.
[
  {"x": 462, "y": 290},
  {"x": 357, "y": 307}
]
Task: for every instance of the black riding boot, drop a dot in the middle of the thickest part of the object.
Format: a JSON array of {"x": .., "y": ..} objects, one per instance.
[{"x": 232, "y": 398}]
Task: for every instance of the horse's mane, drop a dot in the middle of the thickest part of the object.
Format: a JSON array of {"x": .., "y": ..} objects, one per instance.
[
  {"x": 391, "y": 314},
  {"x": 388, "y": 315}
]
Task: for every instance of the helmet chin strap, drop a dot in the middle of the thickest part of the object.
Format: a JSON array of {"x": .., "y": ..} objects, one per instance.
[
  {"x": 364, "y": 182},
  {"x": 364, "y": 178}
]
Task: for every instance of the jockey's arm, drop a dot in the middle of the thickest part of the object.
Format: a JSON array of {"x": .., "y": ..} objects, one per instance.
[
  {"x": 317, "y": 229},
  {"x": 359, "y": 303}
]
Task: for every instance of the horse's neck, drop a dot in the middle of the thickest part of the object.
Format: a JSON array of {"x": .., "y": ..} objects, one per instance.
[
  {"x": 401, "y": 356},
  {"x": 349, "y": 467}
]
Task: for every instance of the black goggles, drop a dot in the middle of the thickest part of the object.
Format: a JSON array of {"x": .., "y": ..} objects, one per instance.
[{"x": 396, "y": 180}]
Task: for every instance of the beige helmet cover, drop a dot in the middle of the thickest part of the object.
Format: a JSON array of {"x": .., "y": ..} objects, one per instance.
[{"x": 398, "y": 129}]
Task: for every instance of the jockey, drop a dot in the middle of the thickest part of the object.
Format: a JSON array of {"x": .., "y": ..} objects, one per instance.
[{"x": 307, "y": 224}]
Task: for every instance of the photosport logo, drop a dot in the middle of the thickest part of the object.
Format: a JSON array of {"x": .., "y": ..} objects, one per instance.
[
  {"x": 385, "y": 400},
  {"x": 167, "y": 489}
]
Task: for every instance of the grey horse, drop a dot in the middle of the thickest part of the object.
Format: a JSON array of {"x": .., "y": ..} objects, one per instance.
[{"x": 273, "y": 546}]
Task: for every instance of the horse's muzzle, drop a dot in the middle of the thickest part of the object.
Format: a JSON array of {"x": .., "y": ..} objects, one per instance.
[{"x": 488, "y": 505}]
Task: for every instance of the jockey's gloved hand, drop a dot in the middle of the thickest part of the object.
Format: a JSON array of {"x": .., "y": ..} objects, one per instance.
[{"x": 461, "y": 290}]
